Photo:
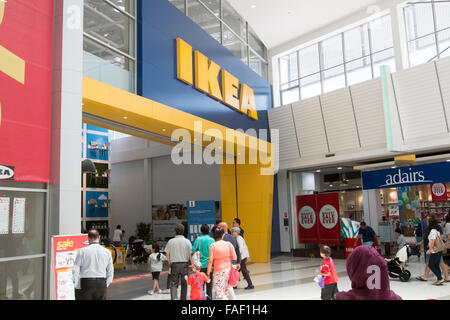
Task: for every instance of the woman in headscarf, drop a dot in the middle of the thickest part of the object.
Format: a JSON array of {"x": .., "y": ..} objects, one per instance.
[{"x": 369, "y": 275}]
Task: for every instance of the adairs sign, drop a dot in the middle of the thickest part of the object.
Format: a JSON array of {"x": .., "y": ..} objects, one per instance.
[
  {"x": 402, "y": 177},
  {"x": 6, "y": 173},
  {"x": 240, "y": 98}
]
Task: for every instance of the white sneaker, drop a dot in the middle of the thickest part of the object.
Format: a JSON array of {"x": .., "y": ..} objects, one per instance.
[
  {"x": 159, "y": 291},
  {"x": 150, "y": 292}
]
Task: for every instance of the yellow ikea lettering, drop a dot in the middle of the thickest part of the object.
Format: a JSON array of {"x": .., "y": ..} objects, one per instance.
[{"x": 237, "y": 96}]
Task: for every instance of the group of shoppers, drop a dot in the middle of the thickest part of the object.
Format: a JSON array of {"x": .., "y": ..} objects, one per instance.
[{"x": 218, "y": 254}]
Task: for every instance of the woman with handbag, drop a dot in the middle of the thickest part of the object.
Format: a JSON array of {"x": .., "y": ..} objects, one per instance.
[
  {"x": 436, "y": 246},
  {"x": 221, "y": 253}
]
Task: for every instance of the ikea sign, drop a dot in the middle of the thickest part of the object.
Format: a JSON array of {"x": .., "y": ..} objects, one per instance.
[{"x": 193, "y": 65}]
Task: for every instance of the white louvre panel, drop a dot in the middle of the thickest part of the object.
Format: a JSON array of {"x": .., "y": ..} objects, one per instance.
[
  {"x": 310, "y": 130},
  {"x": 419, "y": 102},
  {"x": 443, "y": 66},
  {"x": 368, "y": 103},
  {"x": 281, "y": 119},
  {"x": 340, "y": 121}
]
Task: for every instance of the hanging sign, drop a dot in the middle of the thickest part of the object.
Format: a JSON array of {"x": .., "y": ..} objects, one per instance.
[
  {"x": 439, "y": 192},
  {"x": 329, "y": 223},
  {"x": 307, "y": 219}
]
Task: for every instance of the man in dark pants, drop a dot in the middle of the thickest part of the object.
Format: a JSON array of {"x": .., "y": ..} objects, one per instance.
[
  {"x": 93, "y": 270},
  {"x": 178, "y": 252}
]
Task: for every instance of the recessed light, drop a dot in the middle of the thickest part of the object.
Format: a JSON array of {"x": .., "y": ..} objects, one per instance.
[
  {"x": 317, "y": 171},
  {"x": 253, "y": 6},
  {"x": 331, "y": 185},
  {"x": 164, "y": 130},
  {"x": 394, "y": 167},
  {"x": 340, "y": 168},
  {"x": 448, "y": 160},
  {"x": 125, "y": 118}
]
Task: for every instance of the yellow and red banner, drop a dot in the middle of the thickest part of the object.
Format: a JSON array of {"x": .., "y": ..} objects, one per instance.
[{"x": 26, "y": 32}]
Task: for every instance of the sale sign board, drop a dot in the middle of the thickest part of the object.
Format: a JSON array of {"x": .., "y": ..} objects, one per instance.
[
  {"x": 439, "y": 192},
  {"x": 329, "y": 226},
  {"x": 318, "y": 219},
  {"x": 26, "y": 29},
  {"x": 307, "y": 219},
  {"x": 64, "y": 252}
]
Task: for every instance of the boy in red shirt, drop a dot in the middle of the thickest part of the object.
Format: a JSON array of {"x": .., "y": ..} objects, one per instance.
[
  {"x": 328, "y": 271},
  {"x": 195, "y": 279}
]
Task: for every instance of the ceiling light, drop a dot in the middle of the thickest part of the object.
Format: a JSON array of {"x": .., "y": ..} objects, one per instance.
[
  {"x": 448, "y": 160},
  {"x": 253, "y": 6},
  {"x": 340, "y": 168},
  {"x": 317, "y": 171},
  {"x": 125, "y": 118}
]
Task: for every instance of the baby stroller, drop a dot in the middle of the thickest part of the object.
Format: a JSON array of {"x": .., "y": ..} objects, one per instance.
[
  {"x": 138, "y": 253},
  {"x": 396, "y": 266}
]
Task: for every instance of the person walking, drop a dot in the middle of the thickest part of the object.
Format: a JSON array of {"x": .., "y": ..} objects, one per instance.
[
  {"x": 245, "y": 256},
  {"x": 367, "y": 234},
  {"x": 156, "y": 260},
  {"x": 202, "y": 245},
  {"x": 178, "y": 252},
  {"x": 435, "y": 252},
  {"x": 237, "y": 224},
  {"x": 221, "y": 253},
  {"x": 93, "y": 270},
  {"x": 196, "y": 281},
  {"x": 237, "y": 262}
]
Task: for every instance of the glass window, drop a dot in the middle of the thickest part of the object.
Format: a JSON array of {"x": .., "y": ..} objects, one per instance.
[
  {"x": 234, "y": 21},
  {"x": 333, "y": 79},
  {"x": 359, "y": 71},
  {"x": 234, "y": 44},
  {"x": 179, "y": 4},
  {"x": 332, "y": 54},
  {"x": 289, "y": 68},
  {"x": 356, "y": 43},
  {"x": 419, "y": 20},
  {"x": 256, "y": 44},
  {"x": 213, "y": 5},
  {"x": 109, "y": 25},
  {"x": 384, "y": 58},
  {"x": 311, "y": 86},
  {"x": 205, "y": 19},
  {"x": 422, "y": 50},
  {"x": 22, "y": 279},
  {"x": 23, "y": 230},
  {"x": 444, "y": 43},
  {"x": 290, "y": 96},
  {"x": 128, "y": 5},
  {"x": 442, "y": 15},
  {"x": 309, "y": 60},
  {"x": 379, "y": 29},
  {"x": 257, "y": 65}
]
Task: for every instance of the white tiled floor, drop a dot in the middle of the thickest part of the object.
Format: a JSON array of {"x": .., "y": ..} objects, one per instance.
[{"x": 290, "y": 278}]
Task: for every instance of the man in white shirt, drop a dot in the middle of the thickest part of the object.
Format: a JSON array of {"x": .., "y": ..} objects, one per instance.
[
  {"x": 178, "y": 252},
  {"x": 245, "y": 255},
  {"x": 117, "y": 237},
  {"x": 93, "y": 270}
]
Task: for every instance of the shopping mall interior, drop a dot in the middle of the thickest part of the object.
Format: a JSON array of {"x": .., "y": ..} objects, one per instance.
[{"x": 300, "y": 122}]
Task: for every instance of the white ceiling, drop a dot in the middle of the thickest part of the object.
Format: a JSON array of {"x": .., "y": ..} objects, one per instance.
[{"x": 278, "y": 21}]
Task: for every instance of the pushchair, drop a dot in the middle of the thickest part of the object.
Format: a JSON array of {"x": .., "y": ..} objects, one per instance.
[
  {"x": 396, "y": 266},
  {"x": 138, "y": 253}
]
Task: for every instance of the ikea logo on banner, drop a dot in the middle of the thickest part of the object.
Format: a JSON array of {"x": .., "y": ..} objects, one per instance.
[{"x": 236, "y": 96}]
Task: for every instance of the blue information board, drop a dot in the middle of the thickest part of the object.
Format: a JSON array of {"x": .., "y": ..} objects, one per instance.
[{"x": 199, "y": 213}]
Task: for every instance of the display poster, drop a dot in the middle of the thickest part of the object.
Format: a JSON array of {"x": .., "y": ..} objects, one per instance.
[
  {"x": 408, "y": 204},
  {"x": 439, "y": 192},
  {"x": 199, "y": 213},
  {"x": 307, "y": 219},
  {"x": 165, "y": 218},
  {"x": 329, "y": 225},
  {"x": 64, "y": 252},
  {"x": 26, "y": 50},
  {"x": 18, "y": 223},
  {"x": 4, "y": 215}
]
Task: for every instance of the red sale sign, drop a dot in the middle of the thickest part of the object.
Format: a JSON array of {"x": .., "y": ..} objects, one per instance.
[
  {"x": 439, "y": 192},
  {"x": 329, "y": 226},
  {"x": 26, "y": 32},
  {"x": 307, "y": 219},
  {"x": 65, "y": 250}
]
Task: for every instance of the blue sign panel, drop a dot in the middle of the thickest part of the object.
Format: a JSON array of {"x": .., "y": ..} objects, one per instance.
[
  {"x": 200, "y": 213},
  {"x": 97, "y": 204},
  {"x": 407, "y": 176},
  {"x": 159, "y": 25}
]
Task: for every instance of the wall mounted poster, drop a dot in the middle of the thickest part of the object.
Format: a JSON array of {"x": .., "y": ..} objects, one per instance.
[
  {"x": 18, "y": 223},
  {"x": 307, "y": 219},
  {"x": 198, "y": 214},
  {"x": 439, "y": 192},
  {"x": 329, "y": 223},
  {"x": 165, "y": 218},
  {"x": 64, "y": 251},
  {"x": 4, "y": 215}
]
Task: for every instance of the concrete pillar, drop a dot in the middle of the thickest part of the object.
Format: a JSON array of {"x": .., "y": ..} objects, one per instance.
[
  {"x": 398, "y": 35},
  {"x": 283, "y": 206},
  {"x": 372, "y": 208}
]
